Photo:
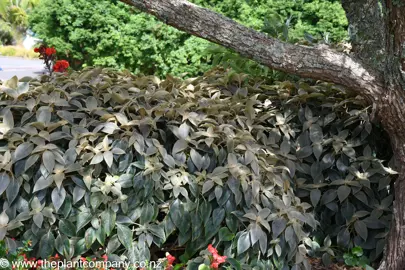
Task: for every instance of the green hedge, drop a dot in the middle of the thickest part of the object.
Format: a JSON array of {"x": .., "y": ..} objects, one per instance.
[{"x": 114, "y": 35}]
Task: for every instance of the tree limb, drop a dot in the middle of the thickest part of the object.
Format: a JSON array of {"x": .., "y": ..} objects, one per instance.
[{"x": 318, "y": 62}]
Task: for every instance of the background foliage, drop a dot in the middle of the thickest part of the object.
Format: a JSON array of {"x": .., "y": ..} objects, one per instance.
[
  {"x": 136, "y": 165},
  {"x": 14, "y": 19},
  {"x": 114, "y": 35}
]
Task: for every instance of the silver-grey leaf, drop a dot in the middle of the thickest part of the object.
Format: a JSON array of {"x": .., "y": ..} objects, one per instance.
[{"x": 58, "y": 197}]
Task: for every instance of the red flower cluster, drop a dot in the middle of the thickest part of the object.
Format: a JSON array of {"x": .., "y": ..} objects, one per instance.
[
  {"x": 40, "y": 50},
  {"x": 45, "y": 51},
  {"x": 170, "y": 260},
  {"x": 216, "y": 258},
  {"x": 61, "y": 66},
  {"x": 50, "y": 51},
  {"x": 48, "y": 54}
]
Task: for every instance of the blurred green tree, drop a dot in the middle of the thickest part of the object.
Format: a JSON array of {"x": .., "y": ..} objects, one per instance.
[{"x": 114, "y": 35}]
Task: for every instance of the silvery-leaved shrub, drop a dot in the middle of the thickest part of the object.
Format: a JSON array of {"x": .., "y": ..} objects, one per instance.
[{"x": 137, "y": 165}]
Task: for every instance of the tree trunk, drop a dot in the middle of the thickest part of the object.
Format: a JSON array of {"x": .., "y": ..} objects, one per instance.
[
  {"x": 392, "y": 111},
  {"x": 395, "y": 252},
  {"x": 376, "y": 71},
  {"x": 391, "y": 114}
]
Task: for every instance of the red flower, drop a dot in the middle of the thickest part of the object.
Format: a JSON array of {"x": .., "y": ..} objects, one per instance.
[
  {"x": 216, "y": 258},
  {"x": 56, "y": 256},
  {"x": 40, "y": 262},
  {"x": 37, "y": 50},
  {"x": 105, "y": 257},
  {"x": 61, "y": 66},
  {"x": 212, "y": 249},
  {"x": 50, "y": 51},
  {"x": 83, "y": 259},
  {"x": 25, "y": 257},
  {"x": 170, "y": 258},
  {"x": 220, "y": 259}
]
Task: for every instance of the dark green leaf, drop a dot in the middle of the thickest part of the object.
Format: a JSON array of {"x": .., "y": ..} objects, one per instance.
[
  {"x": 343, "y": 192},
  {"x": 47, "y": 245},
  {"x": 326, "y": 259},
  {"x": 67, "y": 228},
  {"x": 225, "y": 234},
  {"x": 218, "y": 216},
  {"x": 108, "y": 221},
  {"x": 90, "y": 237},
  {"x": 83, "y": 218},
  {"x": 315, "y": 197},
  {"x": 315, "y": 133},
  {"x": 304, "y": 152},
  {"x": 361, "y": 229}
]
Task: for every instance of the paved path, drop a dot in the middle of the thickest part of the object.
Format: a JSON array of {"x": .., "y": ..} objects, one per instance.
[{"x": 20, "y": 67}]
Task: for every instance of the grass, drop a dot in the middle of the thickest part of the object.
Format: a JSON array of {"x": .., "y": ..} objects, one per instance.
[{"x": 17, "y": 51}]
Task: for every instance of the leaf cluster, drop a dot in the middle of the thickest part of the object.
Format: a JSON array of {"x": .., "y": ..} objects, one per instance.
[{"x": 131, "y": 164}]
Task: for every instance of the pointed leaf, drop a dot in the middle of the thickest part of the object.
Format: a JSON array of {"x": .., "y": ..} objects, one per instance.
[
  {"x": 38, "y": 218},
  {"x": 278, "y": 226},
  {"x": 125, "y": 236},
  {"x": 12, "y": 190},
  {"x": 361, "y": 229},
  {"x": 315, "y": 133},
  {"x": 243, "y": 242},
  {"x": 184, "y": 130},
  {"x": 23, "y": 150},
  {"x": 58, "y": 197},
  {"x": 108, "y": 218},
  {"x": 47, "y": 245},
  {"x": 48, "y": 160},
  {"x": 67, "y": 228},
  {"x": 4, "y": 182},
  {"x": 343, "y": 192},
  {"x": 109, "y": 158},
  {"x": 315, "y": 196},
  {"x": 43, "y": 183}
]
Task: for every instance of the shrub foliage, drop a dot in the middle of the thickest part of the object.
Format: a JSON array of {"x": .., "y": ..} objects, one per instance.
[
  {"x": 106, "y": 159},
  {"x": 6, "y": 33}
]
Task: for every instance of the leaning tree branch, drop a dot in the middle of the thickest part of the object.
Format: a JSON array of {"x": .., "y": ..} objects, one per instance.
[{"x": 318, "y": 62}]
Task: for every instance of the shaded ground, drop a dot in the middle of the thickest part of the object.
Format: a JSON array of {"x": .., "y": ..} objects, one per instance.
[
  {"x": 20, "y": 67},
  {"x": 317, "y": 265}
]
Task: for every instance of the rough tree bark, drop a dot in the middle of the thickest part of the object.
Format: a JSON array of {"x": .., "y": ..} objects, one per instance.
[{"x": 376, "y": 70}]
